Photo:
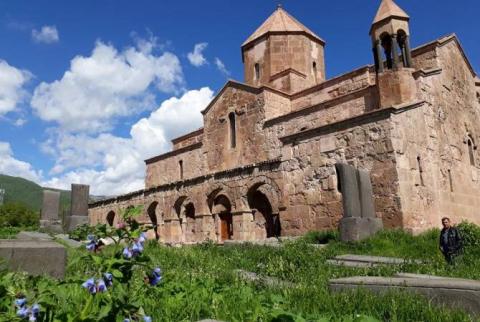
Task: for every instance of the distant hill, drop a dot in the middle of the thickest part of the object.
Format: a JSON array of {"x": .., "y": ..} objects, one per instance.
[{"x": 29, "y": 193}]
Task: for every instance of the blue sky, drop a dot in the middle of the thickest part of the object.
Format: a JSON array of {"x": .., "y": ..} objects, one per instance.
[{"x": 92, "y": 83}]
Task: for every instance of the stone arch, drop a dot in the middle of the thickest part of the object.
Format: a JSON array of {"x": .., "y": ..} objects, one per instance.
[
  {"x": 222, "y": 210},
  {"x": 184, "y": 209},
  {"x": 111, "y": 217},
  {"x": 263, "y": 200},
  {"x": 152, "y": 215},
  {"x": 215, "y": 191}
]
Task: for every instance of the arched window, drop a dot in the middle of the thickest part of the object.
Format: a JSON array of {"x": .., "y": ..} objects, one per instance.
[
  {"x": 180, "y": 168},
  {"x": 314, "y": 68},
  {"x": 386, "y": 41},
  {"x": 450, "y": 180},
  {"x": 257, "y": 71},
  {"x": 233, "y": 130},
  {"x": 471, "y": 152},
  {"x": 110, "y": 218}
]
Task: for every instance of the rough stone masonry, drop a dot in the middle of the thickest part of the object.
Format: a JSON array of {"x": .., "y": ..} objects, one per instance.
[{"x": 263, "y": 164}]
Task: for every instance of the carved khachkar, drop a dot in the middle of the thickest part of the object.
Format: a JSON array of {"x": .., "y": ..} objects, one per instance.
[
  {"x": 359, "y": 220},
  {"x": 49, "y": 219},
  {"x": 79, "y": 206}
]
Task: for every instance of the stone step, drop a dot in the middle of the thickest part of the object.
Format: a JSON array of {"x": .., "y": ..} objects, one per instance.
[
  {"x": 264, "y": 280},
  {"x": 451, "y": 292},
  {"x": 349, "y": 260}
]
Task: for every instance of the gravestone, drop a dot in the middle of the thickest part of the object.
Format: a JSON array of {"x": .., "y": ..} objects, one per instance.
[
  {"x": 49, "y": 219},
  {"x": 79, "y": 206},
  {"x": 2, "y": 196},
  {"x": 359, "y": 220},
  {"x": 34, "y": 256}
]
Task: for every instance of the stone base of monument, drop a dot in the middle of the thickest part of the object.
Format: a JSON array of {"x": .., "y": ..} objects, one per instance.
[
  {"x": 358, "y": 228},
  {"x": 361, "y": 261},
  {"x": 53, "y": 226},
  {"x": 451, "y": 292},
  {"x": 36, "y": 257},
  {"x": 75, "y": 221}
]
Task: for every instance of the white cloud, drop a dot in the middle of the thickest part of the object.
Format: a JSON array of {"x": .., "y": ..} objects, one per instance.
[
  {"x": 46, "y": 35},
  {"x": 20, "y": 122},
  {"x": 12, "y": 92},
  {"x": 196, "y": 57},
  {"x": 13, "y": 167},
  {"x": 107, "y": 85},
  {"x": 113, "y": 165},
  {"x": 221, "y": 66}
]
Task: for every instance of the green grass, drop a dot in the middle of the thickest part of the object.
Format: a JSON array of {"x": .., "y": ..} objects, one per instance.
[{"x": 200, "y": 282}]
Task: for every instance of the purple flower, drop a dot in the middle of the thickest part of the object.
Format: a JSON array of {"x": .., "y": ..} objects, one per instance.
[
  {"x": 23, "y": 312},
  {"x": 32, "y": 318},
  {"x": 142, "y": 238},
  {"x": 146, "y": 318},
  {"x": 91, "y": 246},
  {"x": 127, "y": 253},
  {"x": 20, "y": 302},
  {"x": 35, "y": 309},
  {"x": 156, "y": 277},
  {"x": 137, "y": 248},
  {"x": 91, "y": 237},
  {"x": 126, "y": 320},
  {"x": 101, "y": 287},
  {"x": 108, "y": 279},
  {"x": 90, "y": 285}
]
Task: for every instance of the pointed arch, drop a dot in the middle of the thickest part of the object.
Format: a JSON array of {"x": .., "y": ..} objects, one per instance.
[
  {"x": 111, "y": 217},
  {"x": 263, "y": 200},
  {"x": 152, "y": 215}
]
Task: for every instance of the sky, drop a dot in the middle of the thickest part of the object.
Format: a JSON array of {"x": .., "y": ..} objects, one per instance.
[{"x": 91, "y": 88}]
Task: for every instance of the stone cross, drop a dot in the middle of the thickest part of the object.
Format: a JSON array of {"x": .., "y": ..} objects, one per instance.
[
  {"x": 49, "y": 219},
  {"x": 79, "y": 206},
  {"x": 359, "y": 220}
]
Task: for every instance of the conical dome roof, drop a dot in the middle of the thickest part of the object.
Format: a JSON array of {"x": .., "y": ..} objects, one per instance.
[
  {"x": 388, "y": 9},
  {"x": 280, "y": 21}
]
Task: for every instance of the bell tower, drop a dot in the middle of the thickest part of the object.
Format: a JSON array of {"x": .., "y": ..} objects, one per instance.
[
  {"x": 390, "y": 35},
  {"x": 284, "y": 54}
]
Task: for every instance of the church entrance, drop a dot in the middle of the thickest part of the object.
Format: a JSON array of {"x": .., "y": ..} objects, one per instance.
[
  {"x": 223, "y": 208},
  {"x": 267, "y": 221}
]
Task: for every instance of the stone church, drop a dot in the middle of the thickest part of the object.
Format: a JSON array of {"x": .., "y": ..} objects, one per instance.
[{"x": 263, "y": 165}]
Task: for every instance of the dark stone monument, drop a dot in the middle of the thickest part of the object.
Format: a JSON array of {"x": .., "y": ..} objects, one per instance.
[
  {"x": 79, "y": 206},
  {"x": 49, "y": 219},
  {"x": 359, "y": 220}
]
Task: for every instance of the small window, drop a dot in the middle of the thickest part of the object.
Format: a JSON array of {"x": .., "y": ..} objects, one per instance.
[
  {"x": 314, "y": 68},
  {"x": 420, "y": 171},
  {"x": 233, "y": 130},
  {"x": 450, "y": 180},
  {"x": 257, "y": 71},
  {"x": 180, "y": 168},
  {"x": 471, "y": 152}
]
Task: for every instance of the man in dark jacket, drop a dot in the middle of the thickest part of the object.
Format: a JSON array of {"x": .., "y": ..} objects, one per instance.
[{"x": 450, "y": 241}]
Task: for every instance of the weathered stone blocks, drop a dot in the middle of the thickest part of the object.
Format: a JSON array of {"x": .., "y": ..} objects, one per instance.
[{"x": 36, "y": 257}]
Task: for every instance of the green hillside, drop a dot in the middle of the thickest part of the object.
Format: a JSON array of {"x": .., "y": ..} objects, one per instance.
[{"x": 28, "y": 193}]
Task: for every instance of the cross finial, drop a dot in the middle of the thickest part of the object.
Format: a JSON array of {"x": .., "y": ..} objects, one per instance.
[{"x": 279, "y": 5}]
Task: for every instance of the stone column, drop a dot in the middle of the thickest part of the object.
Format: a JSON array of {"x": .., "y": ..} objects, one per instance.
[
  {"x": 79, "y": 206},
  {"x": 408, "y": 52},
  {"x": 396, "y": 63},
  {"x": 50, "y": 219},
  {"x": 378, "y": 55}
]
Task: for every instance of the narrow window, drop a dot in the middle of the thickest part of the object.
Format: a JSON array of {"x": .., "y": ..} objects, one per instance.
[
  {"x": 420, "y": 171},
  {"x": 233, "y": 134},
  {"x": 470, "y": 151},
  {"x": 314, "y": 67},
  {"x": 450, "y": 180},
  {"x": 180, "y": 168},
  {"x": 257, "y": 71}
]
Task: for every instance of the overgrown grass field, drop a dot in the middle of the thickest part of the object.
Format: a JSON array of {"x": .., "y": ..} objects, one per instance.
[{"x": 200, "y": 282}]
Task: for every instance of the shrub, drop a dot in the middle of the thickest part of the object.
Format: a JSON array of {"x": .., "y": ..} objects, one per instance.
[
  {"x": 470, "y": 234},
  {"x": 321, "y": 237},
  {"x": 17, "y": 215}
]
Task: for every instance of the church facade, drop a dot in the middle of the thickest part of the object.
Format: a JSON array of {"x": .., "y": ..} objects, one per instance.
[{"x": 263, "y": 165}]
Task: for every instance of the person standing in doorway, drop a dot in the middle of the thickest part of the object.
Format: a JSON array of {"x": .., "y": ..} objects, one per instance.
[{"x": 450, "y": 241}]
